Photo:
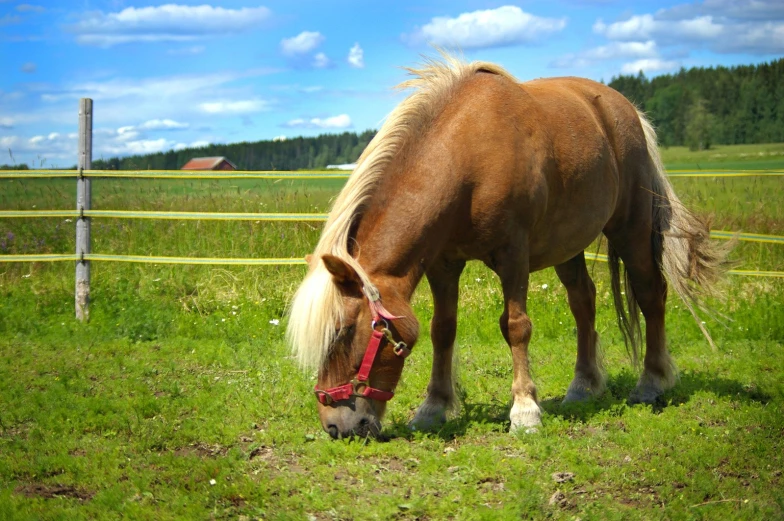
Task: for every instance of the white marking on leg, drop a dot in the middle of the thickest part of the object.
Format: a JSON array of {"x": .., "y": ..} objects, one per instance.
[{"x": 525, "y": 415}]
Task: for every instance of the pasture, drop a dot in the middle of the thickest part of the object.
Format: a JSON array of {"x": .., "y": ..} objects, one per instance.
[{"x": 178, "y": 400}]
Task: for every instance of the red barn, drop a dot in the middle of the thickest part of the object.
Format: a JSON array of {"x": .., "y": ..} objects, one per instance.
[{"x": 209, "y": 163}]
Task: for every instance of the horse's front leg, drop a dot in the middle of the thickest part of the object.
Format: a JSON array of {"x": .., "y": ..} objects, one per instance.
[
  {"x": 511, "y": 266},
  {"x": 444, "y": 278}
]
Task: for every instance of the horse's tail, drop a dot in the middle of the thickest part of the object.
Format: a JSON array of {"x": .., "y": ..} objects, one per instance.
[{"x": 681, "y": 241}]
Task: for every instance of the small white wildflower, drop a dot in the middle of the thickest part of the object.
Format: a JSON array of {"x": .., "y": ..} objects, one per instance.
[
  {"x": 213, "y": 482},
  {"x": 27, "y": 276},
  {"x": 234, "y": 307},
  {"x": 223, "y": 320},
  {"x": 233, "y": 312},
  {"x": 703, "y": 322},
  {"x": 69, "y": 220},
  {"x": 274, "y": 321},
  {"x": 478, "y": 280},
  {"x": 544, "y": 286},
  {"x": 156, "y": 280}
]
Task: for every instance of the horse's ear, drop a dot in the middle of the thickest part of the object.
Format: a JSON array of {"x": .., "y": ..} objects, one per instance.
[{"x": 342, "y": 273}]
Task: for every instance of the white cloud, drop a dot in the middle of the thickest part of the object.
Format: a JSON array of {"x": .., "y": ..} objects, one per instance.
[
  {"x": 8, "y": 141},
  {"x": 341, "y": 121},
  {"x": 649, "y": 65},
  {"x": 163, "y": 124},
  {"x": 28, "y": 8},
  {"x": 147, "y": 146},
  {"x": 6, "y": 122},
  {"x": 356, "y": 57},
  {"x": 187, "y": 51},
  {"x": 304, "y": 43},
  {"x": 194, "y": 144},
  {"x": 28, "y": 67},
  {"x": 10, "y": 20},
  {"x": 724, "y": 26},
  {"x": 507, "y": 25},
  {"x": 321, "y": 61},
  {"x": 611, "y": 51},
  {"x": 234, "y": 107},
  {"x": 646, "y": 27},
  {"x": 162, "y": 87},
  {"x": 739, "y": 10},
  {"x": 169, "y": 22},
  {"x": 279, "y": 138}
]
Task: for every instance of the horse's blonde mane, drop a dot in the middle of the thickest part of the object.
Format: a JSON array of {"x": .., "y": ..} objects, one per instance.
[{"x": 316, "y": 308}]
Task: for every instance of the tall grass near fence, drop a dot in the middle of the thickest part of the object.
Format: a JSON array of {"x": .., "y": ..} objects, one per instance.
[{"x": 178, "y": 398}]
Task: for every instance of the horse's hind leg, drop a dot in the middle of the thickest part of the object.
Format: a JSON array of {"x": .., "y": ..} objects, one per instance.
[
  {"x": 444, "y": 278},
  {"x": 589, "y": 378},
  {"x": 635, "y": 247}
]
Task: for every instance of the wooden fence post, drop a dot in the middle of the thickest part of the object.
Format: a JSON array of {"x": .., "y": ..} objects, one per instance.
[{"x": 83, "y": 200}]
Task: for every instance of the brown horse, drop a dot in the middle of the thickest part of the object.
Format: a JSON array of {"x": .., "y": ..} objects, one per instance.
[{"x": 474, "y": 165}]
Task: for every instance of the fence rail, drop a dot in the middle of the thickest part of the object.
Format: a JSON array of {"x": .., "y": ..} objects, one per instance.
[
  {"x": 228, "y": 261},
  {"x": 174, "y": 174},
  {"x": 280, "y": 174},
  {"x": 84, "y": 213},
  {"x": 228, "y": 216}
]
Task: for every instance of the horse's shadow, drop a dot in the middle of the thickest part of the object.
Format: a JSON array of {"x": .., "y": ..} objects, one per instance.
[{"x": 495, "y": 415}]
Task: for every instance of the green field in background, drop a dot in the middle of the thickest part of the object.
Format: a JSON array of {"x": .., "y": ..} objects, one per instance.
[{"x": 179, "y": 400}]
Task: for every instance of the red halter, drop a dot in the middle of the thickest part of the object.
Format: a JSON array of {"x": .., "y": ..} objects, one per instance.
[{"x": 359, "y": 386}]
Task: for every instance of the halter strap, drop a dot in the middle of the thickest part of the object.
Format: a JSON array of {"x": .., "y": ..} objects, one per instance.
[{"x": 358, "y": 386}]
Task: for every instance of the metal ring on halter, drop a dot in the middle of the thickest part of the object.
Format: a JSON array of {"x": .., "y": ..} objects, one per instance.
[{"x": 374, "y": 323}]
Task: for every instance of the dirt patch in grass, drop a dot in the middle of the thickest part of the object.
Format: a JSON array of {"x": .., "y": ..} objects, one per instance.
[
  {"x": 202, "y": 450},
  {"x": 52, "y": 491}
]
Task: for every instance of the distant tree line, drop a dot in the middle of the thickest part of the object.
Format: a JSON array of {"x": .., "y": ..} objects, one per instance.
[
  {"x": 290, "y": 154},
  {"x": 700, "y": 106},
  {"x": 697, "y": 107}
]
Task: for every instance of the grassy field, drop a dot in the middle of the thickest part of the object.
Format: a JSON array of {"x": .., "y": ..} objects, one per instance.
[{"x": 178, "y": 400}]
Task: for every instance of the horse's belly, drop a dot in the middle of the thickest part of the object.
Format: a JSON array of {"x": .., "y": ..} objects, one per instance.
[{"x": 560, "y": 238}]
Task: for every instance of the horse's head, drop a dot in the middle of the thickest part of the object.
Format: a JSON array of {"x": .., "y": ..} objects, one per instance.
[{"x": 365, "y": 360}]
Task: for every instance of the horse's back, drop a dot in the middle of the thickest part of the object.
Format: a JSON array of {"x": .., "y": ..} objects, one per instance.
[{"x": 553, "y": 153}]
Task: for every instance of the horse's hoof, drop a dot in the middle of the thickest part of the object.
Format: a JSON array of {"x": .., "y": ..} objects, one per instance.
[
  {"x": 584, "y": 388},
  {"x": 577, "y": 395},
  {"x": 647, "y": 394},
  {"x": 427, "y": 420},
  {"x": 525, "y": 418}
]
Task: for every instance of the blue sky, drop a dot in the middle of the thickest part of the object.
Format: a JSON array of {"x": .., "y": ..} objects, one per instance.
[{"x": 169, "y": 75}]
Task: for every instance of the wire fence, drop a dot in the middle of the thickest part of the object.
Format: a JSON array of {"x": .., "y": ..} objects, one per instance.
[
  {"x": 291, "y": 217},
  {"x": 84, "y": 213}
]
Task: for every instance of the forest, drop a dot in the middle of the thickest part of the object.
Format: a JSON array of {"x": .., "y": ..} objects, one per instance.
[{"x": 697, "y": 107}]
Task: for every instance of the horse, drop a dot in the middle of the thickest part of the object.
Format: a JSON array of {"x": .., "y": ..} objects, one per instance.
[{"x": 474, "y": 165}]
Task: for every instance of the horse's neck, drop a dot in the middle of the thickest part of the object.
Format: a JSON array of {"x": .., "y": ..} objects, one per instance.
[
  {"x": 395, "y": 238},
  {"x": 392, "y": 243}
]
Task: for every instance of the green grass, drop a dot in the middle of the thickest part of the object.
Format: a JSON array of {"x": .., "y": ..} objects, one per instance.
[
  {"x": 759, "y": 157},
  {"x": 181, "y": 377}
]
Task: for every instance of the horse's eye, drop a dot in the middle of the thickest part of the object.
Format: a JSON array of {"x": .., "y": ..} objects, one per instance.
[{"x": 345, "y": 330}]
